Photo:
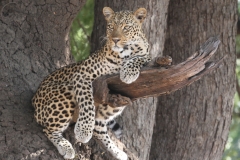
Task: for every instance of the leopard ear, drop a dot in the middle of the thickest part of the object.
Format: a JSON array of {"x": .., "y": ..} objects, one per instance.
[
  {"x": 108, "y": 13},
  {"x": 140, "y": 14}
]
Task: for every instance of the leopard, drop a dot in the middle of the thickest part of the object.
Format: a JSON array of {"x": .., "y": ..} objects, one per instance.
[{"x": 125, "y": 52}]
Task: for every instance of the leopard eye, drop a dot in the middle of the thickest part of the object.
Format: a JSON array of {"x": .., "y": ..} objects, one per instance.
[{"x": 110, "y": 27}]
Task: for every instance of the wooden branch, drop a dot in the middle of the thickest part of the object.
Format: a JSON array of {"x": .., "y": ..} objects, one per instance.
[{"x": 156, "y": 81}]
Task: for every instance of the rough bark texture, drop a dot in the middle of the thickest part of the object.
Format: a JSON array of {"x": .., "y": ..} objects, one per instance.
[
  {"x": 195, "y": 121},
  {"x": 137, "y": 120},
  {"x": 33, "y": 43}
]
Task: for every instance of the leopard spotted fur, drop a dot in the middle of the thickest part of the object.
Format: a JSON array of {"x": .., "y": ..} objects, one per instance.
[{"x": 125, "y": 52}]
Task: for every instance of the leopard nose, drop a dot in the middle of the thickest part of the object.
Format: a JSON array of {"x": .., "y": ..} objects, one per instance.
[{"x": 116, "y": 39}]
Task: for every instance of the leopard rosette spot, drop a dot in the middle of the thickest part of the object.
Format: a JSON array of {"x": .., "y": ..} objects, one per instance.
[{"x": 70, "y": 87}]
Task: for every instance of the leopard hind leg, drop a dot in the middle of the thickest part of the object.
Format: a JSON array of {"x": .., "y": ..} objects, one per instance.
[
  {"x": 104, "y": 115},
  {"x": 64, "y": 146},
  {"x": 109, "y": 113},
  {"x": 57, "y": 117},
  {"x": 115, "y": 127},
  {"x": 54, "y": 129},
  {"x": 100, "y": 133}
]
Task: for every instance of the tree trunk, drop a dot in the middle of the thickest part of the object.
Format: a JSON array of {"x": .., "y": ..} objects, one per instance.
[
  {"x": 190, "y": 124},
  {"x": 193, "y": 123},
  {"x": 33, "y": 43}
]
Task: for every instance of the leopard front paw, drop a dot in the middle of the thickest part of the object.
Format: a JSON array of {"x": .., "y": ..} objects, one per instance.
[
  {"x": 129, "y": 75},
  {"x": 69, "y": 154},
  {"x": 83, "y": 136},
  {"x": 65, "y": 149},
  {"x": 83, "y": 132},
  {"x": 121, "y": 155}
]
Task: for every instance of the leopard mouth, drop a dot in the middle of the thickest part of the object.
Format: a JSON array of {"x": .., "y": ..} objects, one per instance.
[{"x": 117, "y": 48}]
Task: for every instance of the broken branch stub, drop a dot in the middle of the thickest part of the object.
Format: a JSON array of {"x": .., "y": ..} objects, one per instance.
[{"x": 155, "y": 81}]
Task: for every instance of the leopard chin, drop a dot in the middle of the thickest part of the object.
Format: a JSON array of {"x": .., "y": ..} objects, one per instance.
[{"x": 117, "y": 49}]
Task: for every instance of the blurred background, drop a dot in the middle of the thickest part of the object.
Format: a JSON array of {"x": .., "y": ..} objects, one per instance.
[
  {"x": 81, "y": 31},
  {"x": 80, "y": 35}
]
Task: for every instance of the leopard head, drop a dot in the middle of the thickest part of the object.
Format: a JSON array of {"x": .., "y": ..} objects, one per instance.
[{"x": 123, "y": 27}]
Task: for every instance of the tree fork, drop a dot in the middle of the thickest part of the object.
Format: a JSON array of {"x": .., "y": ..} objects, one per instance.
[{"x": 155, "y": 81}]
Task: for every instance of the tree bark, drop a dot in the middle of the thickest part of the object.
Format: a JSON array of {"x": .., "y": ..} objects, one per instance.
[
  {"x": 193, "y": 123},
  {"x": 33, "y": 43}
]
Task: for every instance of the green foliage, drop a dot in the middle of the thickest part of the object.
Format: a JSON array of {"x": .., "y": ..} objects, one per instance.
[
  {"x": 232, "y": 148},
  {"x": 81, "y": 30}
]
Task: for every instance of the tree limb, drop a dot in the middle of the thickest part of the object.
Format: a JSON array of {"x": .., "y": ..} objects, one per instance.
[{"x": 156, "y": 81}]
